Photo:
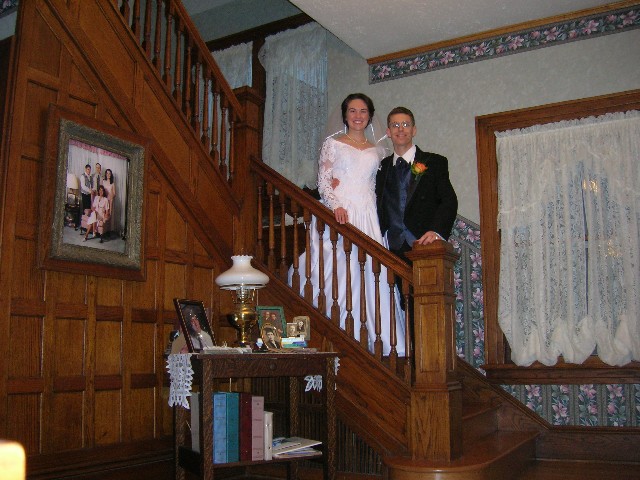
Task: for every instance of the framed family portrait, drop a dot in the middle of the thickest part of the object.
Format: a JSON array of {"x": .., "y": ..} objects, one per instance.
[
  {"x": 273, "y": 316},
  {"x": 299, "y": 327},
  {"x": 194, "y": 325},
  {"x": 93, "y": 197}
]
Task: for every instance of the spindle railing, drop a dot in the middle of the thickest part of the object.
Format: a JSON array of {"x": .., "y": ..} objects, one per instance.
[
  {"x": 186, "y": 68},
  {"x": 286, "y": 220}
]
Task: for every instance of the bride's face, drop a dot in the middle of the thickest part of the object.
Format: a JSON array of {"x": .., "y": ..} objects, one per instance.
[{"x": 357, "y": 115}]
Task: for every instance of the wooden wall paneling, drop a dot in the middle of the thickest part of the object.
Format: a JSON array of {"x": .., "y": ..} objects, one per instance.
[
  {"x": 108, "y": 408},
  {"x": 142, "y": 413},
  {"x": 175, "y": 283},
  {"x": 89, "y": 370},
  {"x": 175, "y": 229},
  {"x": 108, "y": 46},
  {"x": 25, "y": 347},
  {"x": 22, "y": 409}
]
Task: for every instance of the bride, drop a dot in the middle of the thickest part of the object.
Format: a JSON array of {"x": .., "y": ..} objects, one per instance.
[{"x": 347, "y": 171}]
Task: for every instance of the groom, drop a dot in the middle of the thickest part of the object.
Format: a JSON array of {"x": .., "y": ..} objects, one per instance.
[{"x": 415, "y": 199}]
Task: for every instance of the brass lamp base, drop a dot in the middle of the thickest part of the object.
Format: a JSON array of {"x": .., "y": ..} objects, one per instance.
[{"x": 244, "y": 318}]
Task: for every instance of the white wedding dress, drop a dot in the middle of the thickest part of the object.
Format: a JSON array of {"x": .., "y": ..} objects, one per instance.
[{"x": 355, "y": 170}]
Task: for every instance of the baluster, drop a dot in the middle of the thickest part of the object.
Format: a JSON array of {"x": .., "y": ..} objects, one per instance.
[
  {"x": 271, "y": 259},
  {"x": 335, "y": 307},
  {"x": 214, "y": 125},
  {"x": 223, "y": 136},
  {"x": 408, "y": 329},
  {"x": 125, "y": 11},
  {"x": 393, "y": 339},
  {"x": 146, "y": 43},
  {"x": 167, "y": 45},
  {"x": 135, "y": 23},
  {"x": 322, "y": 297},
  {"x": 177, "y": 68},
  {"x": 364, "y": 331},
  {"x": 231, "y": 156},
  {"x": 187, "y": 78},
  {"x": 260, "y": 249},
  {"x": 158, "y": 36},
  {"x": 348, "y": 322},
  {"x": 205, "y": 107},
  {"x": 295, "y": 277},
  {"x": 195, "y": 105},
  {"x": 308, "y": 287},
  {"x": 283, "y": 237},
  {"x": 377, "y": 344}
]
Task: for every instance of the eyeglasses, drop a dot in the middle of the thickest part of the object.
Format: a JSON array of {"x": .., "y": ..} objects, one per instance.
[{"x": 397, "y": 124}]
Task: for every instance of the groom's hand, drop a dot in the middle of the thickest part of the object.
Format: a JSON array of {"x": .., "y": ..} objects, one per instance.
[
  {"x": 341, "y": 215},
  {"x": 428, "y": 238}
]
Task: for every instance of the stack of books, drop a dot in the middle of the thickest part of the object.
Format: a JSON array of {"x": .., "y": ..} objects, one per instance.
[{"x": 243, "y": 431}]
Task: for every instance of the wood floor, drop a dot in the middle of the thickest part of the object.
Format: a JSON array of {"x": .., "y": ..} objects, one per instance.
[{"x": 562, "y": 470}]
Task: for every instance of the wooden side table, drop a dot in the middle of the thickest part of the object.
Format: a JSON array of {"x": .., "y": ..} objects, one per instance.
[{"x": 295, "y": 366}]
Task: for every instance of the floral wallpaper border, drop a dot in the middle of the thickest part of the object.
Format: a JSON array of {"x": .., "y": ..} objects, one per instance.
[
  {"x": 591, "y": 26},
  {"x": 613, "y": 405}
]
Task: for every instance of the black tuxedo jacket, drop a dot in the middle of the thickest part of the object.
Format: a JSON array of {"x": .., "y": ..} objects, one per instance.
[{"x": 432, "y": 203}]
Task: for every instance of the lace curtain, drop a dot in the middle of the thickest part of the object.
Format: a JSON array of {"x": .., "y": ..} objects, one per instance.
[
  {"x": 235, "y": 63},
  {"x": 295, "y": 110},
  {"x": 569, "y": 215}
]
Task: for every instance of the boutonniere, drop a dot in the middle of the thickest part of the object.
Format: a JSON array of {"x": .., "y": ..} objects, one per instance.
[{"x": 418, "y": 169}]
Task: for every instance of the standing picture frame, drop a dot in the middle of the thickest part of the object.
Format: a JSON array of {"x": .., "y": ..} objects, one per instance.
[
  {"x": 92, "y": 205},
  {"x": 273, "y": 315},
  {"x": 194, "y": 324}
]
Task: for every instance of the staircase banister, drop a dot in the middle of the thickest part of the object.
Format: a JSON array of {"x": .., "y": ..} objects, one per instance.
[
  {"x": 372, "y": 247},
  {"x": 196, "y": 38}
]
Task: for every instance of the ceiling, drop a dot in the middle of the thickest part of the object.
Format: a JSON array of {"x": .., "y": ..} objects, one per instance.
[{"x": 378, "y": 27}]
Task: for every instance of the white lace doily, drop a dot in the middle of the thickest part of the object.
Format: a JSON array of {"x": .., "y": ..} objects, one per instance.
[{"x": 181, "y": 376}]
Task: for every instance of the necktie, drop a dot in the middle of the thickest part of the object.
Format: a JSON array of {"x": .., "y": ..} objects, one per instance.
[{"x": 402, "y": 165}]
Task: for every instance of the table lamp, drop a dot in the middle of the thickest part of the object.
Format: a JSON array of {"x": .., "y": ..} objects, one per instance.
[
  {"x": 243, "y": 280},
  {"x": 73, "y": 185}
]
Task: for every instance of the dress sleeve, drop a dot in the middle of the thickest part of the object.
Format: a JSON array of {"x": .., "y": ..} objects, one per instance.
[{"x": 325, "y": 174}]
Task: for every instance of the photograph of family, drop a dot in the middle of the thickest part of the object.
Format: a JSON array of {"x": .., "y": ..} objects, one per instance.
[{"x": 95, "y": 209}]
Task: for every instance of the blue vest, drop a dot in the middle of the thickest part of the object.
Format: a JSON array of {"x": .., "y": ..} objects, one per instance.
[{"x": 395, "y": 204}]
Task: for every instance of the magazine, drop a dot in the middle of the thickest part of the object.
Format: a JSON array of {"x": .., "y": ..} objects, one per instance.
[{"x": 283, "y": 445}]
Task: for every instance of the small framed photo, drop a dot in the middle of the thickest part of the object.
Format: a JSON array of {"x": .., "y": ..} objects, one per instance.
[
  {"x": 271, "y": 337},
  {"x": 299, "y": 327},
  {"x": 194, "y": 324},
  {"x": 273, "y": 316}
]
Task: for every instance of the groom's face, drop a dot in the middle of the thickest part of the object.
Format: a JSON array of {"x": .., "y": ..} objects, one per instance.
[{"x": 401, "y": 136}]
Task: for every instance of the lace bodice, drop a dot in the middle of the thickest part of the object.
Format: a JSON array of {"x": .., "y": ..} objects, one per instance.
[{"x": 355, "y": 171}]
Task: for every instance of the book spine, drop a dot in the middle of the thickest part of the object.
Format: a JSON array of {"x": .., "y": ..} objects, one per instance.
[
  {"x": 268, "y": 435},
  {"x": 219, "y": 427},
  {"x": 257, "y": 427},
  {"x": 245, "y": 426},
  {"x": 233, "y": 427}
]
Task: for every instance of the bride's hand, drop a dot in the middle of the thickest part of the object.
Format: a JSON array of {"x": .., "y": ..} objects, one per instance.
[{"x": 341, "y": 215}]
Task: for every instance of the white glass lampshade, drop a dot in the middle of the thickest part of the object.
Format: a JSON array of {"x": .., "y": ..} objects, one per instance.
[
  {"x": 242, "y": 275},
  {"x": 72, "y": 181}
]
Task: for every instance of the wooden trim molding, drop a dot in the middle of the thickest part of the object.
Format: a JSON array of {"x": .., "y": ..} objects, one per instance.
[
  {"x": 522, "y": 37},
  {"x": 498, "y": 365}
]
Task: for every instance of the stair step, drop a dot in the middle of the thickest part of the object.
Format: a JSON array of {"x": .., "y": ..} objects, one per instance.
[
  {"x": 478, "y": 421},
  {"x": 580, "y": 470},
  {"x": 501, "y": 455}
]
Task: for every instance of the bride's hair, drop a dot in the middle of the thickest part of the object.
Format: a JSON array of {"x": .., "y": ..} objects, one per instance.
[{"x": 357, "y": 96}]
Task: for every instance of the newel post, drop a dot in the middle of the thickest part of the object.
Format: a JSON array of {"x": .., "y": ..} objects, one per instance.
[
  {"x": 436, "y": 400},
  {"x": 248, "y": 146}
]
